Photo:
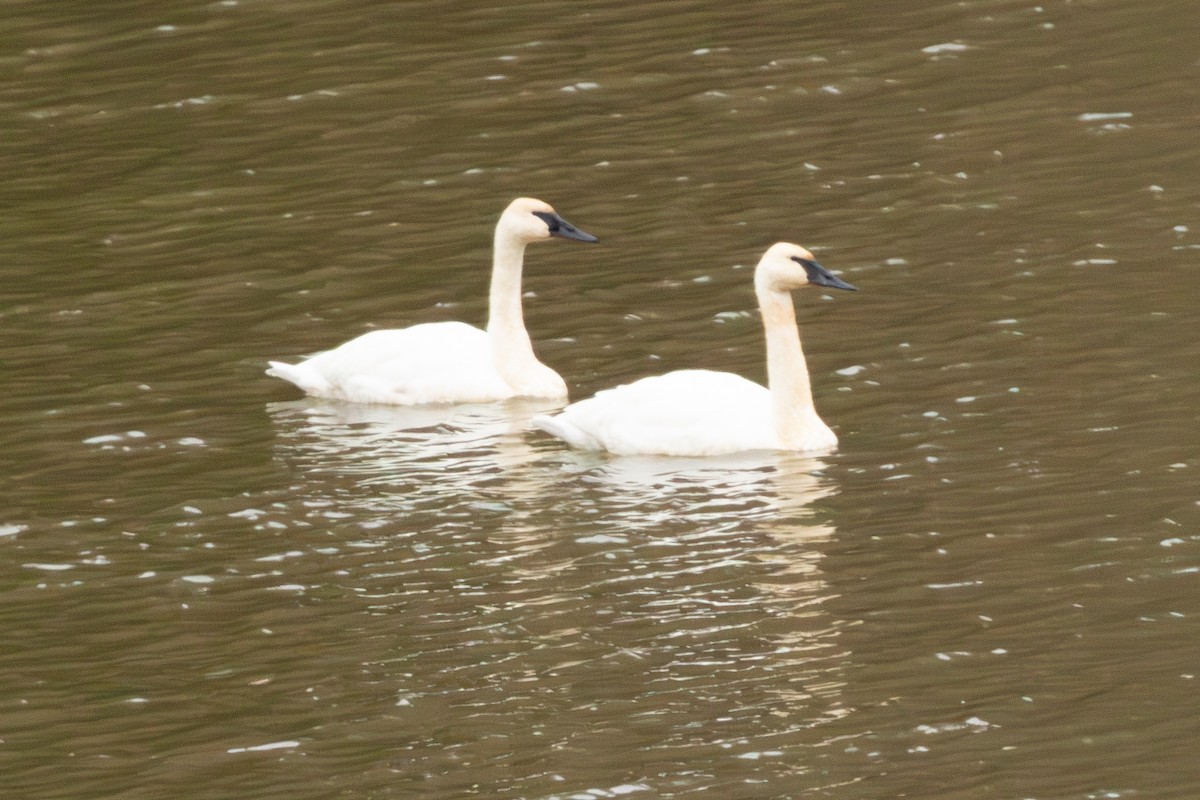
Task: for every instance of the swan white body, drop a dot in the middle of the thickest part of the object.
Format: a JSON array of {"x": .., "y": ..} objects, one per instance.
[
  {"x": 450, "y": 362},
  {"x": 706, "y": 413}
]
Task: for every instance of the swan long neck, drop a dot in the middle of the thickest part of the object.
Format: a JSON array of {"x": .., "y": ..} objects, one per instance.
[
  {"x": 511, "y": 347},
  {"x": 787, "y": 371}
]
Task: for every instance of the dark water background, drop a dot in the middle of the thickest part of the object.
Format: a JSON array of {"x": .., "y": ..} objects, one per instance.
[{"x": 211, "y": 589}]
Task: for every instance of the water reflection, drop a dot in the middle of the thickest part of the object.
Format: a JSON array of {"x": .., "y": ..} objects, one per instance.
[
  {"x": 378, "y": 435},
  {"x": 517, "y": 587},
  {"x": 755, "y": 486},
  {"x": 382, "y": 444},
  {"x": 677, "y": 608}
]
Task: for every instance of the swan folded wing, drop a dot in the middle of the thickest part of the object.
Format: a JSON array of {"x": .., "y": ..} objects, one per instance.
[
  {"x": 437, "y": 362},
  {"x": 684, "y": 413}
]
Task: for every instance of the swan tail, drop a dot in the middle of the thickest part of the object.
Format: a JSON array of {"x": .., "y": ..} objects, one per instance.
[
  {"x": 556, "y": 426},
  {"x": 307, "y": 379}
]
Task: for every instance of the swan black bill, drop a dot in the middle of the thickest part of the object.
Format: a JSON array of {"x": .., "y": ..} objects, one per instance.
[
  {"x": 560, "y": 227},
  {"x": 819, "y": 276}
]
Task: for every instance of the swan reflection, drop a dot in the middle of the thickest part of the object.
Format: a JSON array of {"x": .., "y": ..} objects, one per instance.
[
  {"x": 429, "y": 457},
  {"x": 351, "y": 430},
  {"x": 501, "y": 559}
]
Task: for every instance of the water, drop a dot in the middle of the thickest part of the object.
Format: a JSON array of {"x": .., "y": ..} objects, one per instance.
[{"x": 212, "y": 588}]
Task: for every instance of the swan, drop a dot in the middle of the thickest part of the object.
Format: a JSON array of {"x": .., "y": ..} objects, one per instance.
[
  {"x": 450, "y": 362},
  {"x": 697, "y": 412}
]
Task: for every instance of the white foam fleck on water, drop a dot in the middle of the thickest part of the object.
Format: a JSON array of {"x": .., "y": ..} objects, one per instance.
[
  {"x": 188, "y": 101},
  {"x": 258, "y": 748},
  {"x": 49, "y": 567},
  {"x": 1097, "y": 116},
  {"x": 198, "y": 579},
  {"x": 602, "y": 538},
  {"x": 104, "y": 439},
  {"x": 975, "y": 724},
  {"x": 281, "y": 556},
  {"x": 848, "y": 371},
  {"x": 945, "y": 47},
  {"x": 12, "y": 530}
]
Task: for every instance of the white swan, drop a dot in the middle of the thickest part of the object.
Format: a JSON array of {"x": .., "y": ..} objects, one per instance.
[
  {"x": 697, "y": 412},
  {"x": 450, "y": 362}
]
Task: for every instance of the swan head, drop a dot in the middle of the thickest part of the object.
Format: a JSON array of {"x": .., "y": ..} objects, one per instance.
[
  {"x": 786, "y": 266},
  {"x": 529, "y": 220}
]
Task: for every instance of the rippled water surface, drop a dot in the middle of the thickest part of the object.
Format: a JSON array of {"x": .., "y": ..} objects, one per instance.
[{"x": 213, "y": 588}]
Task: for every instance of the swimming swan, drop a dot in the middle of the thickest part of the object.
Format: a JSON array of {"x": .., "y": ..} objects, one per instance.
[
  {"x": 450, "y": 362},
  {"x": 697, "y": 412}
]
